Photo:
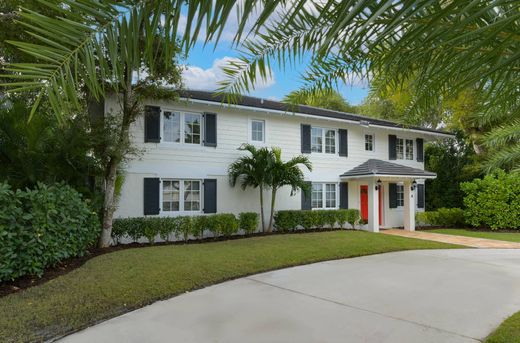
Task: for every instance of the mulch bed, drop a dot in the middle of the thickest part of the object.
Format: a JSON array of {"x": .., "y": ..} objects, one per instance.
[{"x": 65, "y": 266}]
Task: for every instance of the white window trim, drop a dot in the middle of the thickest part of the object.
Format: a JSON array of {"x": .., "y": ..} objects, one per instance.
[
  {"x": 324, "y": 194},
  {"x": 181, "y": 197},
  {"x": 400, "y": 184},
  {"x": 323, "y": 134},
  {"x": 250, "y": 132},
  {"x": 373, "y": 142},
  {"x": 404, "y": 149},
  {"x": 183, "y": 132}
]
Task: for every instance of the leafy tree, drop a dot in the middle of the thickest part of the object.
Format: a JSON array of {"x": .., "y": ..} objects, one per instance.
[
  {"x": 331, "y": 100},
  {"x": 282, "y": 174},
  {"x": 455, "y": 162},
  {"x": 252, "y": 171},
  {"x": 93, "y": 50}
]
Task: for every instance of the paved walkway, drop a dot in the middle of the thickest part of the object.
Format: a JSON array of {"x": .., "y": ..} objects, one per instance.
[
  {"x": 457, "y": 295},
  {"x": 460, "y": 240}
]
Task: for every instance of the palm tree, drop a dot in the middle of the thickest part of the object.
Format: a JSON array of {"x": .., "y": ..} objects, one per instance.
[
  {"x": 252, "y": 171},
  {"x": 286, "y": 174}
]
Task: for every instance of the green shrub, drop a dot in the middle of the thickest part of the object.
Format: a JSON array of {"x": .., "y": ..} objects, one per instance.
[
  {"x": 308, "y": 219},
  {"x": 354, "y": 216},
  {"x": 41, "y": 227},
  {"x": 168, "y": 227},
  {"x": 285, "y": 221},
  {"x": 493, "y": 201},
  {"x": 321, "y": 218},
  {"x": 446, "y": 217},
  {"x": 342, "y": 217},
  {"x": 226, "y": 224},
  {"x": 330, "y": 218},
  {"x": 248, "y": 221},
  {"x": 185, "y": 227},
  {"x": 199, "y": 225}
]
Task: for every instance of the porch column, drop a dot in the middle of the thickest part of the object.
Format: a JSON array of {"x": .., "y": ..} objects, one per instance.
[
  {"x": 409, "y": 207},
  {"x": 373, "y": 206}
]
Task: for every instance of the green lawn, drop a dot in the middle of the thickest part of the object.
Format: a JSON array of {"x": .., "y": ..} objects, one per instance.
[
  {"x": 507, "y": 332},
  {"x": 502, "y": 236},
  {"x": 112, "y": 284}
]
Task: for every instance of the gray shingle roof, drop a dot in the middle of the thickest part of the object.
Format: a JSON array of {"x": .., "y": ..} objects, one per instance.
[
  {"x": 250, "y": 101},
  {"x": 378, "y": 167}
]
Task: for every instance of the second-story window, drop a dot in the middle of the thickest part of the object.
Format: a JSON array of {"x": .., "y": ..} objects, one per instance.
[
  {"x": 409, "y": 149},
  {"x": 258, "y": 131},
  {"x": 369, "y": 142},
  {"x": 399, "y": 148},
  {"x": 323, "y": 140},
  {"x": 404, "y": 149},
  {"x": 179, "y": 127}
]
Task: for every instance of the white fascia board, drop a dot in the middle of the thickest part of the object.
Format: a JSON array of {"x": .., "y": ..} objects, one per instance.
[
  {"x": 257, "y": 109},
  {"x": 386, "y": 176}
]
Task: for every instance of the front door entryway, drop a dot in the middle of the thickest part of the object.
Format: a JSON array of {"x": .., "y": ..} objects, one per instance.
[{"x": 364, "y": 203}]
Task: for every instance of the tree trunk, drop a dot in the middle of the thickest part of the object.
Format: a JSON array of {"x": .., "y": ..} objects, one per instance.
[
  {"x": 262, "y": 207},
  {"x": 273, "y": 199},
  {"x": 108, "y": 204}
]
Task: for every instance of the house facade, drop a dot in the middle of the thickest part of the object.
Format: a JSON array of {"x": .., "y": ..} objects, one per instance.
[{"x": 358, "y": 162}]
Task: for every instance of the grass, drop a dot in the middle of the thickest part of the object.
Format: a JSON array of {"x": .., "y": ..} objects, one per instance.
[
  {"x": 507, "y": 332},
  {"x": 115, "y": 283},
  {"x": 501, "y": 236}
]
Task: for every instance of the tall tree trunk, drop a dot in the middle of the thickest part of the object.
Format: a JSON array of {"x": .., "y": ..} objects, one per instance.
[
  {"x": 273, "y": 200},
  {"x": 108, "y": 204},
  {"x": 262, "y": 207}
]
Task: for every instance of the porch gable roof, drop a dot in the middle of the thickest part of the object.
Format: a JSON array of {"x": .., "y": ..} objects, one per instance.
[{"x": 374, "y": 167}]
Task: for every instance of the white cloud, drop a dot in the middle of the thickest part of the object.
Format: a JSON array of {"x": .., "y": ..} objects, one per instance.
[{"x": 207, "y": 79}]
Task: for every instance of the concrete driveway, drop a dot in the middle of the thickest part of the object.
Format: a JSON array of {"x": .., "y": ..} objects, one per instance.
[{"x": 411, "y": 296}]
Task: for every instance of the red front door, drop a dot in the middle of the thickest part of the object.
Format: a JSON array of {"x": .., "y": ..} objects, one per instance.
[{"x": 364, "y": 202}]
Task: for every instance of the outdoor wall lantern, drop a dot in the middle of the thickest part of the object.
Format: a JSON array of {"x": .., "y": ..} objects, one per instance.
[
  {"x": 378, "y": 184},
  {"x": 414, "y": 185}
]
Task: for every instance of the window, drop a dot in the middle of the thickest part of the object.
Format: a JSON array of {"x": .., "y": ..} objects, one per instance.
[
  {"x": 369, "y": 142},
  {"x": 399, "y": 148},
  {"x": 172, "y": 127},
  {"x": 175, "y": 190},
  {"x": 400, "y": 195},
  {"x": 258, "y": 131},
  {"x": 316, "y": 139},
  {"x": 409, "y": 149},
  {"x": 404, "y": 149},
  {"x": 320, "y": 136},
  {"x": 178, "y": 124},
  {"x": 323, "y": 195}
]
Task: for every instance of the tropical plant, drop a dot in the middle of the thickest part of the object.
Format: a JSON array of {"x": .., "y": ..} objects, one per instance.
[
  {"x": 252, "y": 171},
  {"x": 282, "y": 174}
]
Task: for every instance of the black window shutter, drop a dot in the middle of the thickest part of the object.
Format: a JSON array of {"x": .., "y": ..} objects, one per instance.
[
  {"x": 392, "y": 193},
  {"x": 210, "y": 195},
  {"x": 152, "y": 124},
  {"x": 210, "y": 129},
  {"x": 306, "y": 199},
  {"x": 420, "y": 149},
  {"x": 306, "y": 139},
  {"x": 392, "y": 142},
  {"x": 343, "y": 195},
  {"x": 420, "y": 195},
  {"x": 151, "y": 195},
  {"x": 343, "y": 142}
]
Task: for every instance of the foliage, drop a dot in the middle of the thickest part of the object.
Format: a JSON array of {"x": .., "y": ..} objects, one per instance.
[
  {"x": 113, "y": 284},
  {"x": 493, "y": 201},
  {"x": 454, "y": 161},
  {"x": 329, "y": 99},
  {"x": 248, "y": 221},
  {"x": 226, "y": 224},
  {"x": 289, "y": 220},
  {"x": 42, "y": 226},
  {"x": 445, "y": 217}
]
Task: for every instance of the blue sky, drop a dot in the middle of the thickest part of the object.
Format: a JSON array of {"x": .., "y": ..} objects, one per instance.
[{"x": 204, "y": 63}]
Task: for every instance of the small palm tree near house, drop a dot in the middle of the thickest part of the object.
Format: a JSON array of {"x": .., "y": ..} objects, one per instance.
[
  {"x": 251, "y": 171},
  {"x": 286, "y": 174},
  {"x": 264, "y": 169}
]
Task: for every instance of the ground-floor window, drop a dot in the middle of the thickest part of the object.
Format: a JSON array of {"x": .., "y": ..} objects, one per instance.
[
  {"x": 324, "y": 195},
  {"x": 181, "y": 195},
  {"x": 400, "y": 195}
]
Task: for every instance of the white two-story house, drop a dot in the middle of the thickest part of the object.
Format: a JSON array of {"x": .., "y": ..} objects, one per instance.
[{"x": 372, "y": 165}]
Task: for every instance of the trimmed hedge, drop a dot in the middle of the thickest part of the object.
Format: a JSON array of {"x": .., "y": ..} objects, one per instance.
[
  {"x": 41, "y": 227},
  {"x": 292, "y": 220},
  {"x": 183, "y": 227},
  {"x": 446, "y": 217},
  {"x": 493, "y": 201}
]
